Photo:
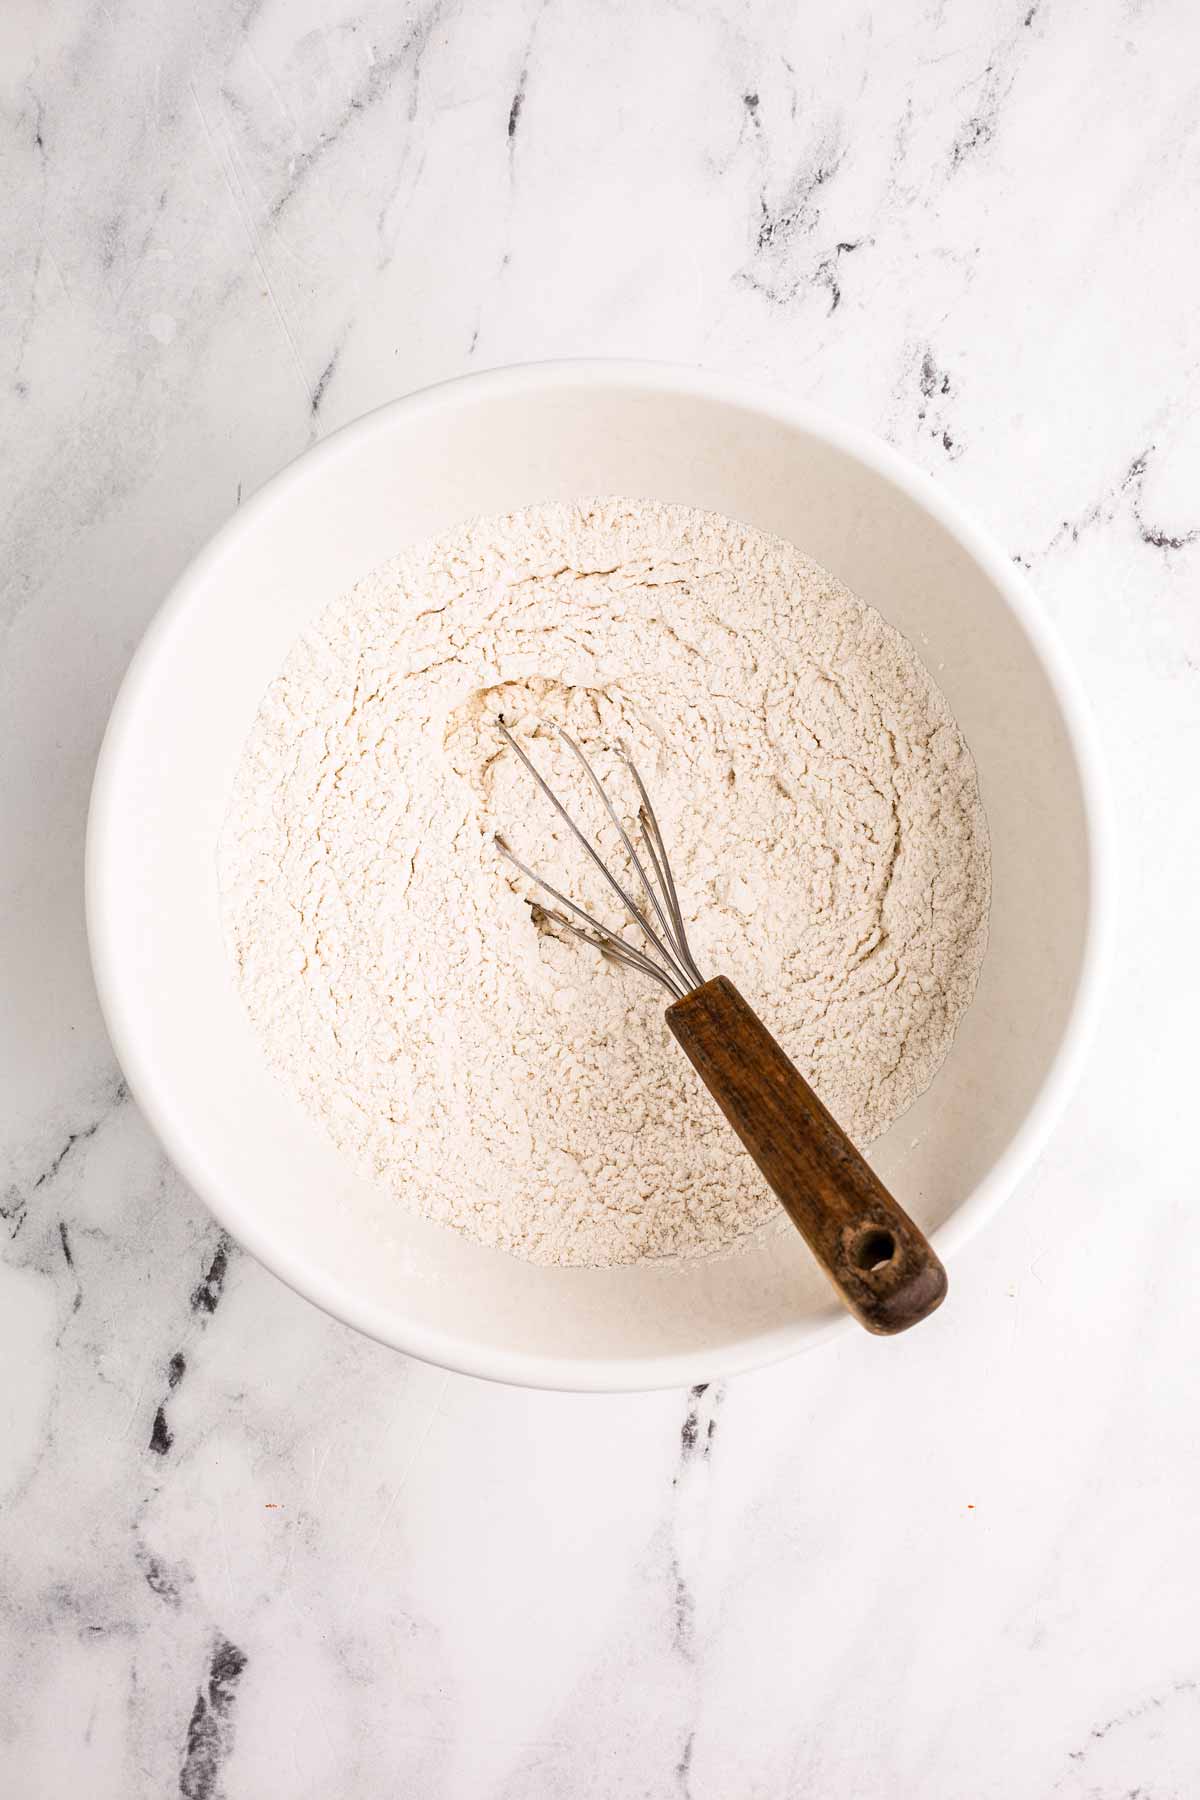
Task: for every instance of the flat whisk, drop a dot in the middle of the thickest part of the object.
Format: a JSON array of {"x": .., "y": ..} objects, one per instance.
[{"x": 879, "y": 1261}]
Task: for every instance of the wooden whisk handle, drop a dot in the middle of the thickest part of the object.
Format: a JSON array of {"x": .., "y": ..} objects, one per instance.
[{"x": 880, "y": 1262}]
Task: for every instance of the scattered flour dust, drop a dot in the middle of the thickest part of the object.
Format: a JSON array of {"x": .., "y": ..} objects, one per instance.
[{"x": 818, "y": 800}]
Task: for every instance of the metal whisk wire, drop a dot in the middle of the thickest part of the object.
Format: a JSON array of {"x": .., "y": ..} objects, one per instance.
[{"x": 669, "y": 959}]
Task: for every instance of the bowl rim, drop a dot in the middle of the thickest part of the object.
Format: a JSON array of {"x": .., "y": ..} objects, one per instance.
[{"x": 103, "y": 885}]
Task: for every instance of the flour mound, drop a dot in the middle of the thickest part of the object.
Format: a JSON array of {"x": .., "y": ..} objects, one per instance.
[{"x": 822, "y": 813}]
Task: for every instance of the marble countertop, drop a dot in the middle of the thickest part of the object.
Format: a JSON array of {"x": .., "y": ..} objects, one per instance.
[{"x": 244, "y": 1552}]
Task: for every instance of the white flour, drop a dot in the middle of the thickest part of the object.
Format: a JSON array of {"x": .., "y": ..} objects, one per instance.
[{"x": 818, "y": 800}]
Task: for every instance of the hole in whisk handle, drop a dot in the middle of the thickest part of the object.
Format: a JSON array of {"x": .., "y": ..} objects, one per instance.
[{"x": 873, "y": 1249}]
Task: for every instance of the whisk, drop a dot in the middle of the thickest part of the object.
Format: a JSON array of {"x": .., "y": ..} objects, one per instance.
[{"x": 878, "y": 1260}]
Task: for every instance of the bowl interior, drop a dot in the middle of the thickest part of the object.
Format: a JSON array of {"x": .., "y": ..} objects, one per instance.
[{"x": 488, "y": 445}]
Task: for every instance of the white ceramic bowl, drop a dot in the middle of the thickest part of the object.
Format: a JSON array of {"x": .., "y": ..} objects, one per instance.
[{"x": 487, "y": 444}]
